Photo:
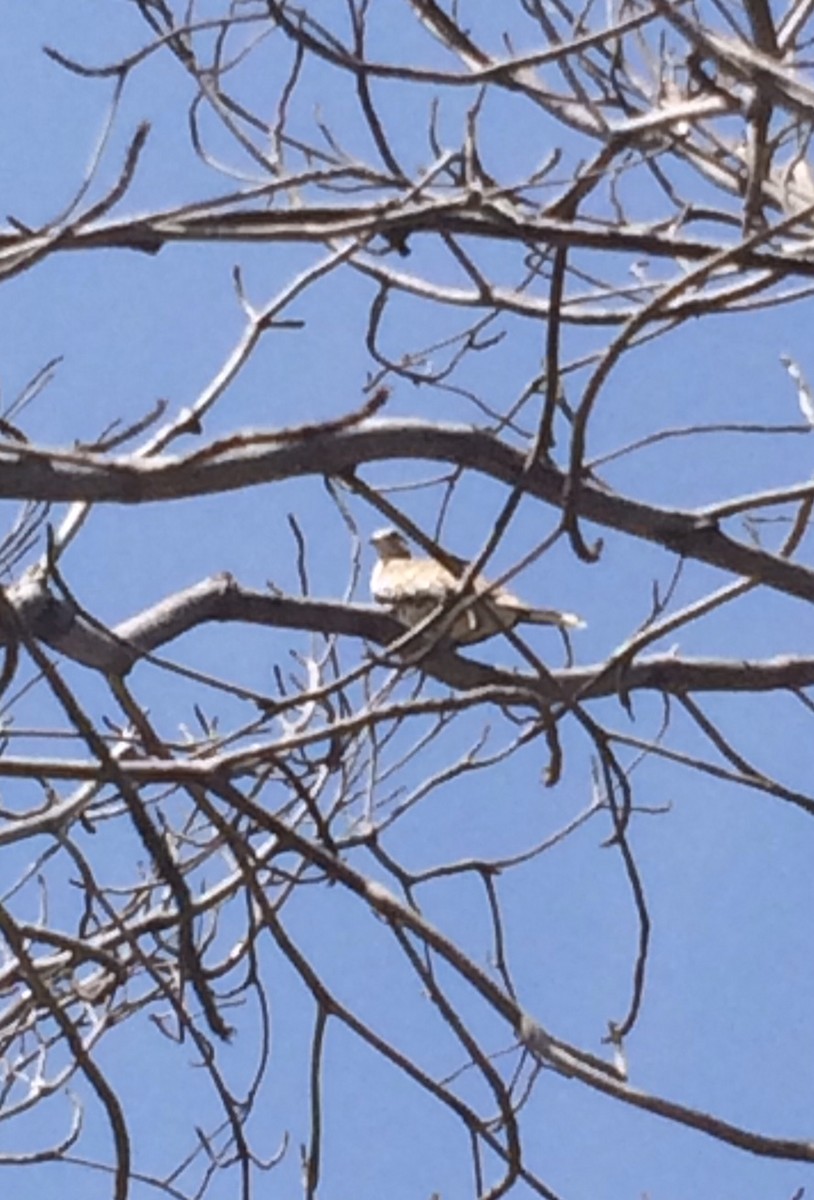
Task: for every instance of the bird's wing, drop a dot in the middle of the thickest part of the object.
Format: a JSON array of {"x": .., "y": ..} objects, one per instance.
[
  {"x": 413, "y": 586},
  {"x": 505, "y": 602}
]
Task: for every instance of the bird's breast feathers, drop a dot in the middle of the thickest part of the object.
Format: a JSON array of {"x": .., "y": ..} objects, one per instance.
[{"x": 411, "y": 579}]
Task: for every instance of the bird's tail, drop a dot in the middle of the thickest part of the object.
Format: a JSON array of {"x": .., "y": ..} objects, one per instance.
[{"x": 550, "y": 616}]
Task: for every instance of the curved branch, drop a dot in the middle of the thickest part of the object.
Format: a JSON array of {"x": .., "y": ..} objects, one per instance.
[
  {"x": 249, "y": 459},
  {"x": 53, "y": 620}
]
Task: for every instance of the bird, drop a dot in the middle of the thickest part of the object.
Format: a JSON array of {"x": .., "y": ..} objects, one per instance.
[{"x": 412, "y": 588}]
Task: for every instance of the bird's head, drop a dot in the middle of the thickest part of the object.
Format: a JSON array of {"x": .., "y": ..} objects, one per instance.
[{"x": 389, "y": 543}]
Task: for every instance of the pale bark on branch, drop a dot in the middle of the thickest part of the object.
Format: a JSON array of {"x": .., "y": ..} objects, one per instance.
[
  {"x": 57, "y": 622},
  {"x": 252, "y": 458}
]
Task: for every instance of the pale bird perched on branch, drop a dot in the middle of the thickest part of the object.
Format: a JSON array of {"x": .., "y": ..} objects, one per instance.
[{"x": 412, "y": 588}]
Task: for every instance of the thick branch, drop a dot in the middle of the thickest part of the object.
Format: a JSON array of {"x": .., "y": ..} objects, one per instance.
[
  {"x": 458, "y": 216},
  {"x": 245, "y": 460},
  {"x": 54, "y": 621}
]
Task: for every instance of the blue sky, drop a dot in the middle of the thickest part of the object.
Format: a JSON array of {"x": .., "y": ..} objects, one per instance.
[{"x": 726, "y": 1024}]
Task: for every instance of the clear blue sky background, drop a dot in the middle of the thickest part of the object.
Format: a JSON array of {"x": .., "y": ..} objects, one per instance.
[{"x": 728, "y": 1018}]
